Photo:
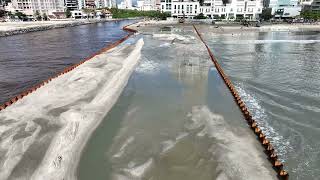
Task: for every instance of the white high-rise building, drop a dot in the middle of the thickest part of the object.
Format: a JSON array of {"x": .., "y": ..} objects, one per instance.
[
  {"x": 125, "y": 4},
  {"x": 128, "y": 4},
  {"x": 232, "y": 9},
  {"x": 285, "y": 8},
  {"x": 29, "y": 7},
  {"x": 147, "y": 5},
  {"x": 81, "y": 4},
  {"x": 71, "y": 4}
]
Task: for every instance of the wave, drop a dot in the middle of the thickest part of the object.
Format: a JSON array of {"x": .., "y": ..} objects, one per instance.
[
  {"x": 258, "y": 112},
  {"x": 237, "y": 156}
]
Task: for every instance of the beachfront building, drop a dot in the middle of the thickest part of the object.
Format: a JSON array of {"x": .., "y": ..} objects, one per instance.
[
  {"x": 125, "y": 4},
  {"x": 2, "y": 4},
  {"x": 80, "y": 4},
  {"x": 285, "y": 8},
  {"x": 72, "y": 5},
  {"x": 29, "y": 7},
  {"x": 148, "y": 5},
  {"x": 94, "y": 4},
  {"x": 215, "y": 9},
  {"x": 89, "y": 3},
  {"x": 313, "y": 5}
]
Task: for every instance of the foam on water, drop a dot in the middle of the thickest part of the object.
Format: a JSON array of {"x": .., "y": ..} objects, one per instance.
[
  {"x": 140, "y": 170},
  {"x": 172, "y": 37},
  {"x": 148, "y": 67},
  {"x": 258, "y": 113},
  {"x": 122, "y": 148},
  {"x": 237, "y": 156}
]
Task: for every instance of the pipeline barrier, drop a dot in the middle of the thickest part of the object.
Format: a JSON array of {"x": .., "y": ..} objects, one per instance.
[
  {"x": 269, "y": 149},
  {"x": 68, "y": 69}
]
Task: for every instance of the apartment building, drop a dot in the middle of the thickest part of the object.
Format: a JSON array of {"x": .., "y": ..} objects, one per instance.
[
  {"x": 29, "y": 7},
  {"x": 233, "y": 9},
  {"x": 286, "y": 8},
  {"x": 90, "y": 3},
  {"x": 71, "y": 4},
  {"x": 148, "y": 5},
  {"x": 313, "y": 5}
]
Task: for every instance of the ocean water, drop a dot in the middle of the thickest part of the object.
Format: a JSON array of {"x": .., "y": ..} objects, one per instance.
[
  {"x": 278, "y": 76},
  {"x": 28, "y": 59},
  {"x": 174, "y": 120}
]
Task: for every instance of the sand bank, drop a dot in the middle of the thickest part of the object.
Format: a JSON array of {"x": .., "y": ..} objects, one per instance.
[{"x": 43, "y": 134}]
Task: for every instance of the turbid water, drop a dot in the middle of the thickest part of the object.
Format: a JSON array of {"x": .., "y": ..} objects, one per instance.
[
  {"x": 174, "y": 120},
  {"x": 277, "y": 75},
  {"x": 27, "y": 59}
]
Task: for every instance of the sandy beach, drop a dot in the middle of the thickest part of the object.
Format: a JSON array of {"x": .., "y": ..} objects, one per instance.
[
  {"x": 223, "y": 27},
  {"x": 47, "y": 130}
]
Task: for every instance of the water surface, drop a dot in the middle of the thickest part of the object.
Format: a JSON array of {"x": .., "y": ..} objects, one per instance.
[
  {"x": 278, "y": 76},
  {"x": 27, "y": 59},
  {"x": 174, "y": 120}
]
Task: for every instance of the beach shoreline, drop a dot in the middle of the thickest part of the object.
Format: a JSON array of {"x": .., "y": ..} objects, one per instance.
[
  {"x": 222, "y": 27},
  {"x": 15, "y": 28}
]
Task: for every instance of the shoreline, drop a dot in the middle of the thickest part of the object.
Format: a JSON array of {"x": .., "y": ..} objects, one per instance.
[
  {"x": 16, "y": 28},
  {"x": 231, "y": 28}
]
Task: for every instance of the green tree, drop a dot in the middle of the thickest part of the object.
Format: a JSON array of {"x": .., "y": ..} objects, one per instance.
[
  {"x": 10, "y": 15},
  {"x": 21, "y": 16},
  {"x": 38, "y": 16},
  {"x": 200, "y": 16},
  {"x": 68, "y": 13},
  {"x": 44, "y": 17},
  {"x": 2, "y": 13},
  {"x": 87, "y": 11},
  {"x": 266, "y": 14},
  {"x": 310, "y": 15},
  {"x": 127, "y": 13}
]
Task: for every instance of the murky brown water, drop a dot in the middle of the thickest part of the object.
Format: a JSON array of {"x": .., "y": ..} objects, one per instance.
[{"x": 174, "y": 120}]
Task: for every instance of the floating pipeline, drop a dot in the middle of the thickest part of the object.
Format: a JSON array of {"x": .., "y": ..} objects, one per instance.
[
  {"x": 68, "y": 69},
  {"x": 269, "y": 150}
]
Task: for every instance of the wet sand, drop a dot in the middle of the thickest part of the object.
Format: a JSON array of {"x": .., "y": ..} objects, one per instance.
[
  {"x": 43, "y": 134},
  {"x": 221, "y": 27}
]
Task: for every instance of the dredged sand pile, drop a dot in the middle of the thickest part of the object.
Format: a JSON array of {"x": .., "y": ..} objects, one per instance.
[{"x": 43, "y": 134}]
